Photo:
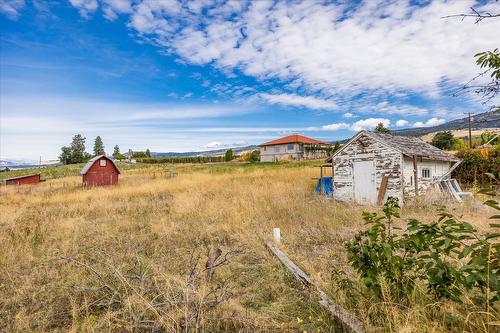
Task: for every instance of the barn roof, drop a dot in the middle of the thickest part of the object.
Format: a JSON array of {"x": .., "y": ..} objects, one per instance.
[
  {"x": 89, "y": 164},
  {"x": 293, "y": 139},
  {"x": 409, "y": 146},
  {"x": 21, "y": 177}
]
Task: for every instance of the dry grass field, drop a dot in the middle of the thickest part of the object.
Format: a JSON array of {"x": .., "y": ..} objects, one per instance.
[{"x": 135, "y": 257}]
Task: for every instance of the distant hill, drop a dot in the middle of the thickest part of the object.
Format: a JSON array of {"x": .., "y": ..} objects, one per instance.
[
  {"x": 479, "y": 121},
  {"x": 216, "y": 152}
]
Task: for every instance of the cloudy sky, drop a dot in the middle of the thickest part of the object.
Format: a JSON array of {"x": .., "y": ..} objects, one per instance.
[{"x": 203, "y": 74}]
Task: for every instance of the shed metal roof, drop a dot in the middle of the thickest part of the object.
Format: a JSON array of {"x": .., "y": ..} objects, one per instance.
[
  {"x": 409, "y": 146},
  {"x": 89, "y": 164}
]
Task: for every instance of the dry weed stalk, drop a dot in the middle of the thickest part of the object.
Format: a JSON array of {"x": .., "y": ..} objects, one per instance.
[{"x": 152, "y": 303}]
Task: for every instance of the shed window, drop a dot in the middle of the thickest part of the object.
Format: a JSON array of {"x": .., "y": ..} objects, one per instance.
[
  {"x": 102, "y": 163},
  {"x": 426, "y": 173},
  {"x": 276, "y": 149}
]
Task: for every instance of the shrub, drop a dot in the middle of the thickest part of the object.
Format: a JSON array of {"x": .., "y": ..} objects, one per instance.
[
  {"x": 255, "y": 156},
  {"x": 476, "y": 164},
  {"x": 458, "y": 144},
  {"x": 447, "y": 255},
  {"x": 443, "y": 140}
]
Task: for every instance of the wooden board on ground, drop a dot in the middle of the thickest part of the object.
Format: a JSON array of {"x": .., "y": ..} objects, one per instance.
[{"x": 338, "y": 312}]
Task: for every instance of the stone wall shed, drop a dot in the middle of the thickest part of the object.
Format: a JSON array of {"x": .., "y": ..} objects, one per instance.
[{"x": 360, "y": 165}]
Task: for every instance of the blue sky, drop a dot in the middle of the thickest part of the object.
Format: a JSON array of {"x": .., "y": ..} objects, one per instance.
[{"x": 197, "y": 75}]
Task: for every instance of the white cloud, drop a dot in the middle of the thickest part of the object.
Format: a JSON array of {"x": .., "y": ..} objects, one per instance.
[
  {"x": 369, "y": 124},
  {"x": 301, "y": 101},
  {"x": 321, "y": 46},
  {"x": 214, "y": 144},
  {"x": 401, "y": 123},
  {"x": 218, "y": 145},
  {"x": 37, "y": 119},
  {"x": 391, "y": 109},
  {"x": 11, "y": 8},
  {"x": 85, "y": 7},
  {"x": 431, "y": 122},
  {"x": 334, "y": 127},
  {"x": 112, "y": 8},
  {"x": 347, "y": 115}
]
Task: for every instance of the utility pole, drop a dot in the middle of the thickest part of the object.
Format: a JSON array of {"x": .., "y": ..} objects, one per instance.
[{"x": 470, "y": 132}]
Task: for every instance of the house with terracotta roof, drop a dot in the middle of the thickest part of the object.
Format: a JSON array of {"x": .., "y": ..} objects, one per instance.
[{"x": 293, "y": 147}]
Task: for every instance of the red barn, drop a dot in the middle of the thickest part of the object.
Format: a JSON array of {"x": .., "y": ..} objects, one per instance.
[
  {"x": 100, "y": 171},
  {"x": 23, "y": 180}
]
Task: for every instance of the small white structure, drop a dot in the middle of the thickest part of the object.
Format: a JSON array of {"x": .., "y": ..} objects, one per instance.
[
  {"x": 373, "y": 166},
  {"x": 293, "y": 147}
]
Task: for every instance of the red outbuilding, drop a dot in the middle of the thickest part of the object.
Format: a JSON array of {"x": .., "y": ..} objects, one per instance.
[
  {"x": 100, "y": 171},
  {"x": 23, "y": 180}
]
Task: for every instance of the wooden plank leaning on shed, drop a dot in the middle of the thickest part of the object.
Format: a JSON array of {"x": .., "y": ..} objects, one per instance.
[
  {"x": 338, "y": 312},
  {"x": 382, "y": 190}
]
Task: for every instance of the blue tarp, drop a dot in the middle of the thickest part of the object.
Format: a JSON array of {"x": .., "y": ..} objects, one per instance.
[{"x": 327, "y": 186}]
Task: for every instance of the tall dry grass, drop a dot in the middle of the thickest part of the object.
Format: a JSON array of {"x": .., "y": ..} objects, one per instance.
[{"x": 133, "y": 257}]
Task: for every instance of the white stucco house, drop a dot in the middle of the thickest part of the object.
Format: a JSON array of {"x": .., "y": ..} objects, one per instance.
[
  {"x": 360, "y": 165},
  {"x": 293, "y": 147}
]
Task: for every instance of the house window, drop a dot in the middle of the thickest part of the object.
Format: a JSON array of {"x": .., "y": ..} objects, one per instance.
[
  {"x": 290, "y": 147},
  {"x": 276, "y": 149},
  {"x": 426, "y": 173},
  {"x": 265, "y": 148},
  {"x": 102, "y": 163}
]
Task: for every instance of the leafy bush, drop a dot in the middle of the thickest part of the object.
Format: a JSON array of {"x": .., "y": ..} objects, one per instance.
[
  {"x": 255, "y": 156},
  {"x": 443, "y": 140},
  {"x": 250, "y": 156},
  {"x": 447, "y": 255},
  {"x": 458, "y": 144},
  {"x": 476, "y": 164}
]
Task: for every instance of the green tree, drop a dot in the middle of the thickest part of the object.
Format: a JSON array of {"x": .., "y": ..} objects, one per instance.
[
  {"x": 443, "y": 140},
  {"x": 255, "y": 156},
  {"x": 78, "y": 154},
  {"x": 98, "y": 146},
  {"x": 116, "y": 151},
  {"x": 490, "y": 62},
  {"x": 458, "y": 144},
  {"x": 148, "y": 153},
  {"x": 139, "y": 154},
  {"x": 65, "y": 156},
  {"x": 380, "y": 128},
  {"x": 488, "y": 137},
  {"x": 229, "y": 155},
  {"x": 336, "y": 147}
]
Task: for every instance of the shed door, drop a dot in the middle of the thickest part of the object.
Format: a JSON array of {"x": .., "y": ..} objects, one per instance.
[{"x": 364, "y": 182}]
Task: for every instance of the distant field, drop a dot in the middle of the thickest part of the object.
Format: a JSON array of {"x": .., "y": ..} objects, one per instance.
[
  {"x": 462, "y": 133},
  {"x": 74, "y": 169},
  {"x": 132, "y": 257}
]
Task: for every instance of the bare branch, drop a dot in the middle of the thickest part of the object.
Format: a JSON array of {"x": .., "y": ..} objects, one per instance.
[{"x": 475, "y": 14}]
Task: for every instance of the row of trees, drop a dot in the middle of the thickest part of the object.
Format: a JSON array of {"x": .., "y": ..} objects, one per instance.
[
  {"x": 75, "y": 152},
  {"x": 194, "y": 159}
]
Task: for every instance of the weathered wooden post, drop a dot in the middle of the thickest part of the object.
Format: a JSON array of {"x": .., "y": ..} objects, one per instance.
[
  {"x": 415, "y": 174},
  {"x": 321, "y": 180},
  {"x": 277, "y": 234}
]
